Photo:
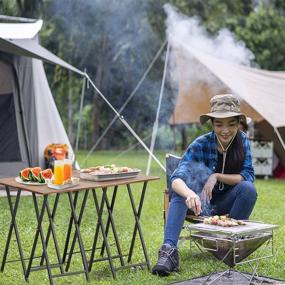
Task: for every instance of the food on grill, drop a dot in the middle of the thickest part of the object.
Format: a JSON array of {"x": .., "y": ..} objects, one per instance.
[
  {"x": 223, "y": 221},
  {"x": 106, "y": 169}
]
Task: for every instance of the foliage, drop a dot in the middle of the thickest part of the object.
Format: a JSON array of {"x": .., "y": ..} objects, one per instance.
[
  {"x": 264, "y": 34},
  {"x": 116, "y": 41}
]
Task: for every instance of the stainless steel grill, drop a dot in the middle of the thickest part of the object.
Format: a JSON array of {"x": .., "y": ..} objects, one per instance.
[{"x": 234, "y": 245}]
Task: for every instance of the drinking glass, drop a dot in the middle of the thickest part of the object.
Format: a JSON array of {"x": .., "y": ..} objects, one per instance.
[
  {"x": 67, "y": 169},
  {"x": 58, "y": 174}
]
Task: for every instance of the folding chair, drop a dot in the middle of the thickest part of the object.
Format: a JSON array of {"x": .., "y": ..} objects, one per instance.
[{"x": 172, "y": 162}]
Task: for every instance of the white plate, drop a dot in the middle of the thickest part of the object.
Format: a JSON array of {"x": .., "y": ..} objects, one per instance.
[
  {"x": 65, "y": 186},
  {"x": 19, "y": 180}
]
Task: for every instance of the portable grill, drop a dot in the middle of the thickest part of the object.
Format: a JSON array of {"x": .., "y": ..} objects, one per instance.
[{"x": 233, "y": 245}]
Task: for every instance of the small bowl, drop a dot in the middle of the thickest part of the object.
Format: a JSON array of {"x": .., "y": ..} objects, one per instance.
[{"x": 75, "y": 180}]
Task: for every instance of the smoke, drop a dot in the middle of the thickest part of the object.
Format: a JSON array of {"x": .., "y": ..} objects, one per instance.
[
  {"x": 114, "y": 38},
  {"x": 195, "y": 175},
  {"x": 186, "y": 34}
]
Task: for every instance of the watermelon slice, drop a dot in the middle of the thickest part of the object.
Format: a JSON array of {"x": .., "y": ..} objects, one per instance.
[
  {"x": 35, "y": 174},
  {"x": 24, "y": 174},
  {"x": 45, "y": 174}
]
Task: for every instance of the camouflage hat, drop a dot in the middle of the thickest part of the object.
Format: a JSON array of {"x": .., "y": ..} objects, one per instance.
[{"x": 223, "y": 106}]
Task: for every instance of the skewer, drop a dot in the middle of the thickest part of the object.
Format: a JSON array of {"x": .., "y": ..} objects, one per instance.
[{"x": 196, "y": 212}]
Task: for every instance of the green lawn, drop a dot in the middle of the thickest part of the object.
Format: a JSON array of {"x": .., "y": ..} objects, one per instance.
[{"x": 269, "y": 209}]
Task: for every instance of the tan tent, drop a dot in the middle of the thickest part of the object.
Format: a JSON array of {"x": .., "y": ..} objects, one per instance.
[{"x": 262, "y": 93}]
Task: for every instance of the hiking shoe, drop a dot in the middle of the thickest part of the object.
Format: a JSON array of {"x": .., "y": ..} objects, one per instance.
[{"x": 167, "y": 262}]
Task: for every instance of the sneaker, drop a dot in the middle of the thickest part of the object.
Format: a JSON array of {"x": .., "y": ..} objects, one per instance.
[{"x": 167, "y": 262}]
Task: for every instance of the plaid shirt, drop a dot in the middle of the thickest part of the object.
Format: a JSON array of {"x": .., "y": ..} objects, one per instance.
[{"x": 200, "y": 161}]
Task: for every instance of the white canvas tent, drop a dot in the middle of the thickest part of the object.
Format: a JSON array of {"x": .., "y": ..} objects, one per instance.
[
  {"x": 262, "y": 92},
  {"x": 29, "y": 119}
]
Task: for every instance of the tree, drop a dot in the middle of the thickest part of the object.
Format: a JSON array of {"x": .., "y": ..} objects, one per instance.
[{"x": 264, "y": 34}]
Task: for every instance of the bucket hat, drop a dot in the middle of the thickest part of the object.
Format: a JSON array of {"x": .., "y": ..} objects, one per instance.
[{"x": 223, "y": 106}]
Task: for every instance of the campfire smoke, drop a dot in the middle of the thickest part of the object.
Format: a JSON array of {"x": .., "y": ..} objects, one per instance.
[{"x": 185, "y": 33}]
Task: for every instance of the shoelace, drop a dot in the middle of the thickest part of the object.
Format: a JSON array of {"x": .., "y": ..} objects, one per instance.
[{"x": 166, "y": 255}]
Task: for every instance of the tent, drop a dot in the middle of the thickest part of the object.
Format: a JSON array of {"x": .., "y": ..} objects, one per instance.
[
  {"x": 29, "y": 119},
  {"x": 262, "y": 92}
]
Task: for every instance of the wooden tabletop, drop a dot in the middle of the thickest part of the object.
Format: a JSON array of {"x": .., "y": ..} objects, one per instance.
[{"x": 83, "y": 184}]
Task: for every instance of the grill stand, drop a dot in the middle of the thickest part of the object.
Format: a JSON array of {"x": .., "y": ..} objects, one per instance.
[{"x": 211, "y": 242}]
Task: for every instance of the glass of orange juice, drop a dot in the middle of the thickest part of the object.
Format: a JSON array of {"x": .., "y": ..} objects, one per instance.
[
  {"x": 67, "y": 169},
  {"x": 58, "y": 174}
]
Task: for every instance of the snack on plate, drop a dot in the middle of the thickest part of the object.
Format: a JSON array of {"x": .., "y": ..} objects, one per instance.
[
  {"x": 35, "y": 174},
  {"x": 223, "y": 221},
  {"x": 106, "y": 169}
]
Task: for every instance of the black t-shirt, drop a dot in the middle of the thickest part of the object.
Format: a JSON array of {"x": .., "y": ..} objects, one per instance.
[{"x": 234, "y": 159}]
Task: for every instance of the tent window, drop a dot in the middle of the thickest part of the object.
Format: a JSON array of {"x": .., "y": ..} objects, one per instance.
[{"x": 9, "y": 142}]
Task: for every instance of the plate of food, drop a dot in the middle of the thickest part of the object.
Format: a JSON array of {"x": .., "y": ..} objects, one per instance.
[
  {"x": 70, "y": 183},
  {"x": 19, "y": 180},
  {"x": 108, "y": 172},
  {"x": 34, "y": 176}
]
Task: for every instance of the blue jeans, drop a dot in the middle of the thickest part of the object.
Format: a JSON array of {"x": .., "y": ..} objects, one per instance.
[{"x": 237, "y": 201}]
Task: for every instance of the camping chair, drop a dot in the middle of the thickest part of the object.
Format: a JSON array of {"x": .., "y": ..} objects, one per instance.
[{"x": 172, "y": 162}]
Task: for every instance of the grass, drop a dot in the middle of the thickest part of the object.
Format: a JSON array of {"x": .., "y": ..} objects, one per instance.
[{"x": 269, "y": 209}]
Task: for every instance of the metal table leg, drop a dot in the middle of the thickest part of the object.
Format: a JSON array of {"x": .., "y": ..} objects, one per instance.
[
  {"x": 100, "y": 225},
  {"x": 137, "y": 227},
  {"x": 52, "y": 230},
  {"x": 39, "y": 232},
  {"x": 50, "y": 227},
  {"x": 109, "y": 220},
  {"x": 69, "y": 229},
  {"x": 13, "y": 225},
  {"x": 77, "y": 233},
  {"x": 79, "y": 222}
]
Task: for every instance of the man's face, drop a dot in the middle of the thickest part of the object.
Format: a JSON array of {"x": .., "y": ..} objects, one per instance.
[{"x": 225, "y": 129}]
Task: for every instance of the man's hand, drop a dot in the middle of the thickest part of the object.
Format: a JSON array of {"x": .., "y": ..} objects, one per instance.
[
  {"x": 193, "y": 202},
  {"x": 208, "y": 188}
]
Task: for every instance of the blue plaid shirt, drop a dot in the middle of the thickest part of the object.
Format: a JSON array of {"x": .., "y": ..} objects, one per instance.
[{"x": 200, "y": 161}]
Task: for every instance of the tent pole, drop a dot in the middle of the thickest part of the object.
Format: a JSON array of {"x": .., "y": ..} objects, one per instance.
[
  {"x": 279, "y": 137},
  {"x": 125, "y": 123},
  {"x": 22, "y": 116},
  {"x": 126, "y": 102},
  {"x": 155, "y": 125},
  {"x": 80, "y": 112}
]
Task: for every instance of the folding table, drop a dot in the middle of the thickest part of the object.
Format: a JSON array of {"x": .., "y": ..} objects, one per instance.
[
  {"x": 104, "y": 228},
  {"x": 64, "y": 257}
]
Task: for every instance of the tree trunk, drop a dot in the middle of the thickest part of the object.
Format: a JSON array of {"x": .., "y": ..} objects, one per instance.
[
  {"x": 184, "y": 142},
  {"x": 69, "y": 109},
  {"x": 97, "y": 100}
]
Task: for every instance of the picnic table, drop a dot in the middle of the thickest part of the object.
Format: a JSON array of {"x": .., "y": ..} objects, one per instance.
[{"x": 65, "y": 255}]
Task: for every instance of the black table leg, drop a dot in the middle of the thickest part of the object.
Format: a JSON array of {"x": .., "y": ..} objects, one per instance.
[
  {"x": 13, "y": 225},
  {"x": 79, "y": 222},
  {"x": 99, "y": 213},
  {"x": 77, "y": 233},
  {"x": 101, "y": 225},
  {"x": 50, "y": 227},
  {"x": 69, "y": 229},
  {"x": 109, "y": 220},
  {"x": 40, "y": 232},
  {"x": 137, "y": 227}
]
